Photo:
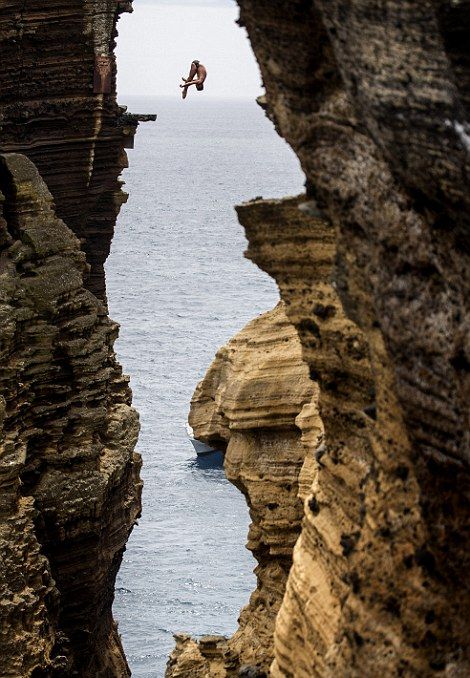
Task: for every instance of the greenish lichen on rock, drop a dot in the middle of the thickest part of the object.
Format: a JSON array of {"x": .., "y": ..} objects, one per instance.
[{"x": 68, "y": 472}]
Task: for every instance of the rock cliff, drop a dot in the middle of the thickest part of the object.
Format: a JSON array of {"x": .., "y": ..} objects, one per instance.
[
  {"x": 58, "y": 107},
  {"x": 344, "y": 411},
  {"x": 70, "y": 484},
  {"x": 249, "y": 399},
  {"x": 372, "y": 266},
  {"x": 69, "y": 476}
]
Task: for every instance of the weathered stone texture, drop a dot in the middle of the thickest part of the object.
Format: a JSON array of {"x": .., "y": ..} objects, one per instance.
[
  {"x": 70, "y": 489},
  {"x": 68, "y": 472},
  {"x": 372, "y": 98},
  {"x": 407, "y": 244},
  {"x": 372, "y": 266},
  {"x": 346, "y": 542},
  {"x": 50, "y": 112},
  {"x": 249, "y": 399}
]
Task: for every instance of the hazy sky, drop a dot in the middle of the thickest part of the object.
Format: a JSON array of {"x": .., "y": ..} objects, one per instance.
[{"x": 159, "y": 40}]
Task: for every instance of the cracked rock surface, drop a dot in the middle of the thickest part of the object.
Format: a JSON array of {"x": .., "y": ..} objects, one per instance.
[
  {"x": 372, "y": 266},
  {"x": 248, "y": 402},
  {"x": 69, "y": 475},
  {"x": 52, "y": 111}
]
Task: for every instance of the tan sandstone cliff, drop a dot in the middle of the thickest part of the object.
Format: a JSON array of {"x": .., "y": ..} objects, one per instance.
[
  {"x": 372, "y": 265},
  {"x": 250, "y": 398}
]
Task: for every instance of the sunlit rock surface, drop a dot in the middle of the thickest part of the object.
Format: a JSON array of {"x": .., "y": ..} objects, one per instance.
[
  {"x": 347, "y": 530},
  {"x": 371, "y": 99},
  {"x": 249, "y": 399},
  {"x": 372, "y": 265},
  {"x": 362, "y": 427}
]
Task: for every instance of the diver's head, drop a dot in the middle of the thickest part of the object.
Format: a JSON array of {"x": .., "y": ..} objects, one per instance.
[{"x": 196, "y": 62}]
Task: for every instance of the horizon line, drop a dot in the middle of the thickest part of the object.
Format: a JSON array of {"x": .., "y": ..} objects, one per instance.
[{"x": 207, "y": 96}]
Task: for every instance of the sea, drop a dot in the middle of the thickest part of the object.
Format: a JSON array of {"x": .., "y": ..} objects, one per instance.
[{"x": 180, "y": 288}]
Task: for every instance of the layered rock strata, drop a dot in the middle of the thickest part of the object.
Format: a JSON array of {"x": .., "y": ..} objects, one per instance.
[
  {"x": 249, "y": 399},
  {"x": 69, "y": 476},
  {"x": 373, "y": 100},
  {"x": 351, "y": 535},
  {"x": 372, "y": 265},
  {"x": 58, "y": 107}
]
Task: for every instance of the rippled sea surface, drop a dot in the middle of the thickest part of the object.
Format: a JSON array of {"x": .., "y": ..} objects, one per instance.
[{"x": 180, "y": 288}]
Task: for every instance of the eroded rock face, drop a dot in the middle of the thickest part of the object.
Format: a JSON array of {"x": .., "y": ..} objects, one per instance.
[
  {"x": 373, "y": 100},
  {"x": 70, "y": 489},
  {"x": 250, "y": 397},
  {"x": 58, "y": 107},
  {"x": 346, "y": 541},
  {"x": 352, "y": 140},
  {"x": 372, "y": 265}
]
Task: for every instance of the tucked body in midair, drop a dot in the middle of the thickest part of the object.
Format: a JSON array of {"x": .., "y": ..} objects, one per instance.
[{"x": 197, "y": 76}]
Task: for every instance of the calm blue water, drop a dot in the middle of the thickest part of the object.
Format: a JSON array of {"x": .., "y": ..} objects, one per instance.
[{"x": 179, "y": 286}]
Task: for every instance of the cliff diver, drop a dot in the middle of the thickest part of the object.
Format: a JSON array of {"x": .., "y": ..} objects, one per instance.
[{"x": 197, "y": 75}]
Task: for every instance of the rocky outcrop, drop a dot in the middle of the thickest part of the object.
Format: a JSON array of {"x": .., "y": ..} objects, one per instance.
[
  {"x": 249, "y": 399},
  {"x": 58, "y": 107},
  {"x": 347, "y": 530},
  {"x": 368, "y": 99},
  {"x": 70, "y": 487},
  {"x": 372, "y": 265},
  {"x": 69, "y": 476},
  {"x": 191, "y": 659}
]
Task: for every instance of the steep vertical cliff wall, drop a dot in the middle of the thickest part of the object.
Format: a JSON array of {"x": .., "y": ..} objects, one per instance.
[
  {"x": 69, "y": 476},
  {"x": 248, "y": 401},
  {"x": 347, "y": 529},
  {"x": 372, "y": 265},
  {"x": 58, "y": 107},
  {"x": 260, "y": 386},
  {"x": 373, "y": 100}
]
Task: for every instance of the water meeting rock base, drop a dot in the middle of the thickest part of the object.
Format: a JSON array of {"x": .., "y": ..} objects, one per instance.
[
  {"x": 372, "y": 268},
  {"x": 69, "y": 476},
  {"x": 343, "y": 411}
]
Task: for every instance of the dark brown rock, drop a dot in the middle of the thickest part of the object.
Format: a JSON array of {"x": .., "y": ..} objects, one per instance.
[
  {"x": 69, "y": 476},
  {"x": 58, "y": 110},
  {"x": 372, "y": 97}
]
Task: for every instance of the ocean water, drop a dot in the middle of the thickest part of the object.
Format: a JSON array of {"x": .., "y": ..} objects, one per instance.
[{"x": 180, "y": 288}]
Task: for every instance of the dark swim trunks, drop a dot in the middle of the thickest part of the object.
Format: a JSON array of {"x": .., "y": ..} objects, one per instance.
[{"x": 200, "y": 87}]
